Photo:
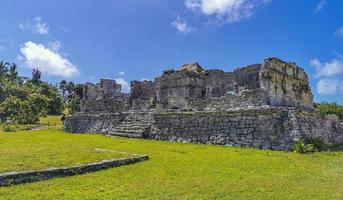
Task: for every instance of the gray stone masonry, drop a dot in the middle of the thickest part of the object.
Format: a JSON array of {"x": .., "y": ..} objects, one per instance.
[{"x": 268, "y": 106}]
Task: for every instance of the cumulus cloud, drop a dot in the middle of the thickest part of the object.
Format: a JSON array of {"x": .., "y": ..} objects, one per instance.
[
  {"x": 328, "y": 72},
  {"x": 181, "y": 25},
  {"x": 49, "y": 62},
  {"x": 121, "y": 73},
  {"x": 339, "y": 32},
  {"x": 124, "y": 84},
  {"x": 36, "y": 25},
  {"x": 226, "y": 11},
  {"x": 55, "y": 45},
  {"x": 329, "y": 86},
  {"x": 327, "y": 69},
  {"x": 320, "y": 5}
]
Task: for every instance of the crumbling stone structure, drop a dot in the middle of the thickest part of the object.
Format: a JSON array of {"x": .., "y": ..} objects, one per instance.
[{"x": 268, "y": 105}]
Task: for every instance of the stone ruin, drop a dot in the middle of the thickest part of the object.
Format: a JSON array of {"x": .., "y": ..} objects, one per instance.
[{"x": 267, "y": 106}]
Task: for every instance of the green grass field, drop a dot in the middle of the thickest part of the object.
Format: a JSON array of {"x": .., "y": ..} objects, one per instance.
[
  {"x": 174, "y": 171},
  {"x": 51, "y": 120},
  {"x": 32, "y": 150}
]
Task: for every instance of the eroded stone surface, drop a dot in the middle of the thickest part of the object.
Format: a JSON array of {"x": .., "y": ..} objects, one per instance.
[{"x": 268, "y": 105}]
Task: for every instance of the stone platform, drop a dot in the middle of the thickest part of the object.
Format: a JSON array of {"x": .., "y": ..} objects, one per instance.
[{"x": 268, "y": 106}]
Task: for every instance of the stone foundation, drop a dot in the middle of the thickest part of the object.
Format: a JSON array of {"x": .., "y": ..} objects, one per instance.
[{"x": 263, "y": 127}]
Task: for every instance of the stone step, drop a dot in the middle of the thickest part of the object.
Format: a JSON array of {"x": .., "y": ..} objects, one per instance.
[
  {"x": 127, "y": 131},
  {"x": 126, "y": 134}
]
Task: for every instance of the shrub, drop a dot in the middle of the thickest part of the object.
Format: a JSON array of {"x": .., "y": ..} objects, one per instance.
[
  {"x": 10, "y": 127},
  {"x": 301, "y": 147},
  {"x": 318, "y": 143}
]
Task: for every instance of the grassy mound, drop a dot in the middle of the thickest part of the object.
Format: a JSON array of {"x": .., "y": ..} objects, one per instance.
[{"x": 176, "y": 171}]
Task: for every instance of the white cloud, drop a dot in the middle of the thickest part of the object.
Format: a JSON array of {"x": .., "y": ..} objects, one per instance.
[
  {"x": 121, "y": 73},
  {"x": 327, "y": 69},
  {"x": 35, "y": 25},
  {"x": 64, "y": 29},
  {"x": 124, "y": 84},
  {"x": 48, "y": 61},
  {"x": 227, "y": 11},
  {"x": 55, "y": 45},
  {"x": 320, "y": 5},
  {"x": 339, "y": 32},
  {"x": 329, "y": 86},
  {"x": 181, "y": 25}
]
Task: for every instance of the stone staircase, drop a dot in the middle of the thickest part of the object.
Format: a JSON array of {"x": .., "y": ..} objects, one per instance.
[{"x": 135, "y": 125}]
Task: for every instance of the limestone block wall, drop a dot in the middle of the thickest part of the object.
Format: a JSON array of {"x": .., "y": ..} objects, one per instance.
[
  {"x": 92, "y": 123},
  {"x": 248, "y": 77},
  {"x": 287, "y": 84},
  {"x": 261, "y": 128},
  {"x": 266, "y": 128},
  {"x": 109, "y": 105},
  {"x": 247, "y": 98},
  {"x": 142, "y": 95},
  {"x": 109, "y": 88},
  {"x": 326, "y": 127}
]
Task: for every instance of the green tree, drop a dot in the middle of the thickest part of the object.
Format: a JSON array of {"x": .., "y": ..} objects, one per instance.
[
  {"x": 331, "y": 108},
  {"x": 36, "y": 76},
  {"x": 74, "y": 105}
]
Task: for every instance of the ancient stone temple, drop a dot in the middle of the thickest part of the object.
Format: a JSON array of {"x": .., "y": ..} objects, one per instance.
[{"x": 268, "y": 106}]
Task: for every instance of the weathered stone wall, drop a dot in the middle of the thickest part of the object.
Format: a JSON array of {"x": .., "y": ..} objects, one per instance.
[
  {"x": 142, "y": 95},
  {"x": 260, "y": 127},
  {"x": 287, "y": 84},
  {"x": 315, "y": 125},
  {"x": 266, "y": 128},
  {"x": 174, "y": 87},
  {"x": 103, "y": 90},
  {"x": 218, "y": 83},
  {"x": 244, "y": 99},
  {"x": 90, "y": 91},
  {"x": 109, "y": 105},
  {"x": 92, "y": 123},
  {"x": 109, "y": 88},
  {"x": 248, "y": 77}
]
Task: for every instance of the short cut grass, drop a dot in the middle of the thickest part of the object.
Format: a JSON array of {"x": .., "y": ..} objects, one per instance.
[{"x": 176, "y": 171}]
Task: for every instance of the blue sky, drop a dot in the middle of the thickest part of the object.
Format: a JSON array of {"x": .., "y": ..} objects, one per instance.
[{"x": 85, "y": 40}]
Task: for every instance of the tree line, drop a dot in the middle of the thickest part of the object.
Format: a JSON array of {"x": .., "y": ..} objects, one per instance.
[{"x": 24, "y": 100}]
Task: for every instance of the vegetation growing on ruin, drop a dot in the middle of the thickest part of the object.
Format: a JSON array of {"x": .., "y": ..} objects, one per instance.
[
  {"x": 331, "y": 108},
  {"x": 174, "y": 171}
]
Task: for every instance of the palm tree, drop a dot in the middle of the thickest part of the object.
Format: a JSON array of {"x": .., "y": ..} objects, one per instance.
[
  {"x": 13, "y": 73},
  {"x": 63, "y": 88},
  {"x": 3, "y": 68}
]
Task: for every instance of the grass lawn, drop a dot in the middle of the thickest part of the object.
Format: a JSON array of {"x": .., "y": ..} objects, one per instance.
[
  {"x": 51, "y": 120},
  {"x": 174, "y": 171},
  {"x": 31, "y": 150}
]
